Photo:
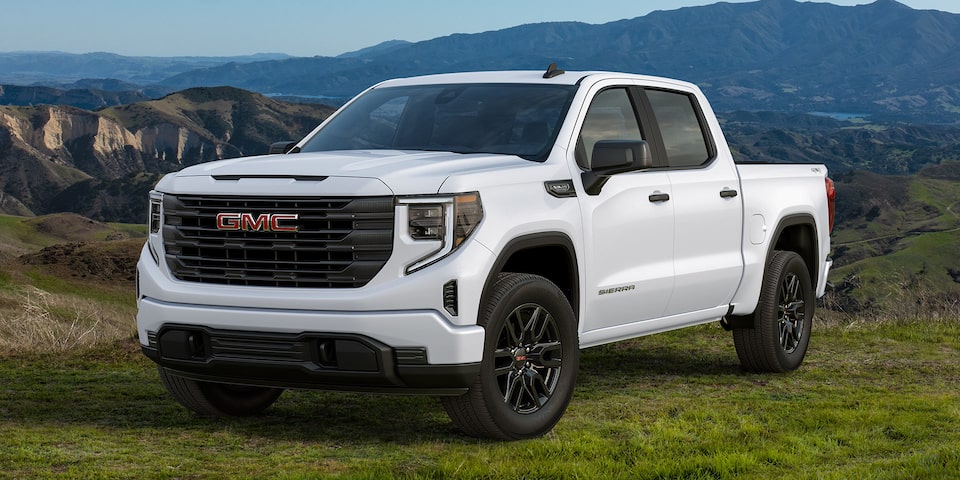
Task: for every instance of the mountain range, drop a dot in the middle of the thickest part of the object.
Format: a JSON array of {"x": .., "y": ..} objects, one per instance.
[
  {"x": 58, "y": 68},
  {"x": 883, "y": 59}
]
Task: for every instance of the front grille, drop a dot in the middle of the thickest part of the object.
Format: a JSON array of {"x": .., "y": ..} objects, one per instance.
[{"x": 339, "y": 243}]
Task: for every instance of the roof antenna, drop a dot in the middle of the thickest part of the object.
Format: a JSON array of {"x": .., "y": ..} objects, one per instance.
[{"x": 552, "y": 71}]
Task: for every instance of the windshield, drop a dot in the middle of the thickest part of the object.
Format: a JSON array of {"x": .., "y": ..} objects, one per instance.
[{"x": 512, "y": 119}]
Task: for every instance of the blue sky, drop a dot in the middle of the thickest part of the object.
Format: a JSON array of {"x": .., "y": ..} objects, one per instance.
[{"x": 295, "y": 27}]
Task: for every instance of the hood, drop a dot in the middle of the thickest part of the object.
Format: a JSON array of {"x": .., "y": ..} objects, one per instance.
[{"x": 402, "y": 172}]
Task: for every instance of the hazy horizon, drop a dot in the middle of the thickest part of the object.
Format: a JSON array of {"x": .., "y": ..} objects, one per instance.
[{"x": 297, "y": 27}]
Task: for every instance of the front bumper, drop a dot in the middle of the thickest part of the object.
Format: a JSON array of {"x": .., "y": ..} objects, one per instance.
[
  {"x": 308, "y": 360},
  {"x": 354, "y": 351}
]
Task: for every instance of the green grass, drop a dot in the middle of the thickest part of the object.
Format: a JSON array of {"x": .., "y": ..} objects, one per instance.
[
  {"x": 873, "y": 400},
  {"x": 23, "y": 234},
  {"x": 91, "y": 291},
  {"x": 17, "y": 231},
  {"x": 134, "y": 230}
]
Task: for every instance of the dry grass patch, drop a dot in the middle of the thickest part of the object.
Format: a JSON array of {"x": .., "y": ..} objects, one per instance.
[{"x": 34, "y": 320}]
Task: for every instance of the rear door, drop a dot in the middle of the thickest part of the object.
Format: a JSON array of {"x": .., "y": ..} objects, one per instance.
[{"x": 707, "y": 204}]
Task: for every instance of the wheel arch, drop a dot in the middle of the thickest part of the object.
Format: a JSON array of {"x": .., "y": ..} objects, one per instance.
[
  {"x": 798, "y": 233},
  {"x": 549, "y": 254}
]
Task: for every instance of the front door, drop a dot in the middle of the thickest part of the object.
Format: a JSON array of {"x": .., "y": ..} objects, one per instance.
[{"x": 628, "y": 226}]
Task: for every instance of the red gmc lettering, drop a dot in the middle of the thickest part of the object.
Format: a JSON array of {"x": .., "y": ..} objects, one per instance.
[{"x": 265, "y": 222}]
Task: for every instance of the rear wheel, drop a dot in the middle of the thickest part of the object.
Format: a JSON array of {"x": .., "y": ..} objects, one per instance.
[
  {"x": 529, "y": 366},
  {"x": 783, "y": 319},
  {"x": 218, "y": 399}
]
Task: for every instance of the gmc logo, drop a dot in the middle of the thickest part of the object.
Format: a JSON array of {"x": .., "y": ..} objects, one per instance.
[{"x": 265, "y": 222}]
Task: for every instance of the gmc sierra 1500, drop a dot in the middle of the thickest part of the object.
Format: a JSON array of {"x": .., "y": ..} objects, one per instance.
[{"x": 465, "y": 235}]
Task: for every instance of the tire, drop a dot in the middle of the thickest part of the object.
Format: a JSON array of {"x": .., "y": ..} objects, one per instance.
[
  {"x": 218, "y": 399},
  {"x": 783, "y": 319},
  {"x": 530, "y": 361}
]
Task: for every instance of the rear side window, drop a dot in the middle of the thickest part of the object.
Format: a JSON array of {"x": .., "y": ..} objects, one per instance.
[{"x": 683, "y": 136}]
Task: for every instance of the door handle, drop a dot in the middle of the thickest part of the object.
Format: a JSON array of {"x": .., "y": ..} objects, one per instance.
[
  {"x": 658, "y": 197},
  {"x": 728, "y": 193}
]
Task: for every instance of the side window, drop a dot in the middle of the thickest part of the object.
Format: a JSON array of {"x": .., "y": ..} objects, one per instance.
[
  {"x": 683, "y": 136},
  {"x": 610, "y": 117}
]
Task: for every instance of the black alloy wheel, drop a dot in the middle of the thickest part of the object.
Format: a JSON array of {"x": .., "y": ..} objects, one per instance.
[
  {"x": 530, "y": 362},
  {"x": 779, "y": 335}
]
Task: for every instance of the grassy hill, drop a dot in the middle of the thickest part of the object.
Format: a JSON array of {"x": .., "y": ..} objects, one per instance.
[
  {"x": 66, "y": 282},
  {"x": 897, "y": 241},
  {"x": 887, "y": 148},
  {"x": 20, "y": 235}
]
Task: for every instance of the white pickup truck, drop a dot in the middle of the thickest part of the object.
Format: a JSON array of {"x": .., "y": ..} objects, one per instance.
[{"x": 465, "y": 235}]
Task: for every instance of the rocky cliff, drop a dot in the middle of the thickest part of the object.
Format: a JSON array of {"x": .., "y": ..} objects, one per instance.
[{"x": 45, "y": 150}]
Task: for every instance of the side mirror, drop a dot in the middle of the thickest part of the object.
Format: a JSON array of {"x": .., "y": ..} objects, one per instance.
[
  {"x": 282, "y": 147},
  {"x": 611, "y": 157}
]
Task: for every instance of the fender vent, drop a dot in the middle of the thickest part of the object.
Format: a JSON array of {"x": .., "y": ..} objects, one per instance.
[{"x": 450, "y": 297}]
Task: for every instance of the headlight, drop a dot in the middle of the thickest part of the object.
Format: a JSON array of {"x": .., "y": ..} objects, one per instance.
[
  {"x": 156, "y": 218},
  {"x": 426, "y": 222},
  {"x": 447, "y": 219}
]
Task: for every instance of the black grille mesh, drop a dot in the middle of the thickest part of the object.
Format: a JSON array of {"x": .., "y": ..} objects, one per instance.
[{"x": 341, "y": 242}]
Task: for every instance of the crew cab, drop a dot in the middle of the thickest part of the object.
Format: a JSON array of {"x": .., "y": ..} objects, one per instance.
[{"x": 466, "y": 235}]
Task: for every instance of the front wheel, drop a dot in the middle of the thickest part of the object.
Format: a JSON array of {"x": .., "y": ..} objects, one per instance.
[
  {"x": 218, "y": 399},
  {"x": 783, "y": 318},
  {"x": 530, "y": 361}
]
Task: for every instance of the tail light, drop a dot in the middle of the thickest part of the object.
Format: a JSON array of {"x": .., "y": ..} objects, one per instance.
[{"x": 831, "y": 199}]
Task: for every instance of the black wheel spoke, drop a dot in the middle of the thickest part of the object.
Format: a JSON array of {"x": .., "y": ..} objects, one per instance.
[
  {"x": 541, "y": 330},
  {"x": 502, "y": 361},
  {"x": 511, "y": 384},
  {"x": 790, "y": 313},
  {"x": 535, "y": 388},
  {"x": 784, "y": 332},
  {"x": 547, "y": 354},
  {"x": 514, "y": 329}
]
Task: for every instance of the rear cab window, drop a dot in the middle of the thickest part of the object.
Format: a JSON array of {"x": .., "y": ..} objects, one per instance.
[{"x": 683, "y": 133}]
